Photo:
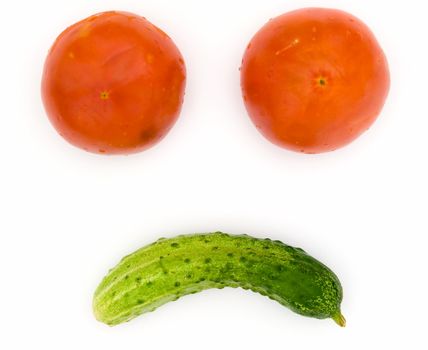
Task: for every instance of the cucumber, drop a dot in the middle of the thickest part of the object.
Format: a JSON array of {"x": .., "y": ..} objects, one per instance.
[{"x": 170, "y": 268}]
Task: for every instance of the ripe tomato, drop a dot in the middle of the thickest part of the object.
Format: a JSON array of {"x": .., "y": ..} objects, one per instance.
[
  {"x": 113, "y": 83},
  {"x": 314, "y": 79}
]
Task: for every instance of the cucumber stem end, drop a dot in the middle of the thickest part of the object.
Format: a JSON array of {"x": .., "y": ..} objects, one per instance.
[{"x": 339, "y": 319}]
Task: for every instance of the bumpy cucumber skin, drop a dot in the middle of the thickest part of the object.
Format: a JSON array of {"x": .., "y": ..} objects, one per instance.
[{"x": 170, "y": 268}]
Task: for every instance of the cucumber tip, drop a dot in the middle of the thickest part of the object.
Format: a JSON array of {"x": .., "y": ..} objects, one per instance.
[{"x": 339, "y": 319}]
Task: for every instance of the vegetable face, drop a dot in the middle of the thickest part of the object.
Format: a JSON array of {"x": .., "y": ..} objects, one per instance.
[
  {"x": 314, "y": 79},
  {"x": 113, "y": 83},
  {"x": 171, "y": 268}
]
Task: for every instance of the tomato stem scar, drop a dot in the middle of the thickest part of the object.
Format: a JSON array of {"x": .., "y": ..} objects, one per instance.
[
  {"x": 321, "y": 81},
  {"x": 104, "y": 95}
]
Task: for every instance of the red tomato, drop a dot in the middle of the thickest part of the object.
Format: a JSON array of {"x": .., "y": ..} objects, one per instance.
[
  {"x": 314, "y": 79},
  {"x": 113, "y": 83}
]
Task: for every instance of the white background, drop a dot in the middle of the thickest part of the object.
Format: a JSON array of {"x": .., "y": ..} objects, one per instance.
[{"x": 68, "y": 216}]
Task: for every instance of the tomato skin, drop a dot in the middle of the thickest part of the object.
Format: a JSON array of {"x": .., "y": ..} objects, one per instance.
[
  {"x": 314, "y": 79},
  {"x": 113, "y": 83}
]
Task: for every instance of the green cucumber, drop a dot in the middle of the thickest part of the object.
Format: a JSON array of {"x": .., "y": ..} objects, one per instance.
[{"x": 170, "y": 268}]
